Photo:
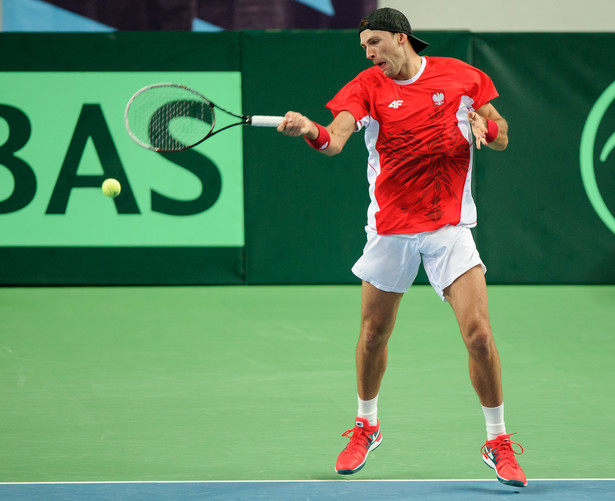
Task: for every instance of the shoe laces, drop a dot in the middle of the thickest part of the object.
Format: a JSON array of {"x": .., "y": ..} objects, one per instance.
[
  {"x": 503, "y": 451},
  {"x": 358, "y": 438}
]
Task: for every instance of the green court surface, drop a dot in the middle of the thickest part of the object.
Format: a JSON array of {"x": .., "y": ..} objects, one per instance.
[{"x": 257, "y": 383}]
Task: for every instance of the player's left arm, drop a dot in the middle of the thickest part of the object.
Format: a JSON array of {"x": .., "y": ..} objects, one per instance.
[{"x": 484, "y": 132}]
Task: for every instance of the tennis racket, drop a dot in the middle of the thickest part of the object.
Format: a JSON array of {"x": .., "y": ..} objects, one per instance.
[{"x": 167, "y": 117}]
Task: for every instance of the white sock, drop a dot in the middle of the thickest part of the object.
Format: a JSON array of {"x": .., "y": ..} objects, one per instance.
[
  {"x": 368, "y": 409},
  {"x": 494, "y": 419}
]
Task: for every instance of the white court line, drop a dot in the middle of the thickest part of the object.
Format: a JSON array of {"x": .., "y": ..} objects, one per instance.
[{"x": 297, "y": 481}]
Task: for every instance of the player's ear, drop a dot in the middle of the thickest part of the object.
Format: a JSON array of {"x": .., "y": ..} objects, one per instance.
[{"x": 402, "y": 38}]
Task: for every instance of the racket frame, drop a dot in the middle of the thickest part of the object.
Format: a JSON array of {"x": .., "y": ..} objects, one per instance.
[
  {"x": 212, "y": 106},
  {"x": 259, "y": 120}
]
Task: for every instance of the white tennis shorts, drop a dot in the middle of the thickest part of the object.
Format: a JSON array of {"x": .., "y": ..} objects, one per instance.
[{"x": 391, "y": 262}]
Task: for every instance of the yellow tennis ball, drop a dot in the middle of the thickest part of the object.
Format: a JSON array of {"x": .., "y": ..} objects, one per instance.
[{"x": 111, "y": 188}]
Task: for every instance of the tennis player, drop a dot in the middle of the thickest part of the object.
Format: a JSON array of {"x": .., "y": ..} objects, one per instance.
[{"x": 421, "y": 116}]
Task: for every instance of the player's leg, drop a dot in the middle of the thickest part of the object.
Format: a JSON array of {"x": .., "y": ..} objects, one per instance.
[
  {"x": 456, "y": 272},
  {"x": 468, "y": 297},
  {"x": 378, "y": 314},
  {"x": 388, "y": 266}
]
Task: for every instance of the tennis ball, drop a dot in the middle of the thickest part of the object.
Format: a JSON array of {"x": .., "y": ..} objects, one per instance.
[{"x": 111, "y": 188}]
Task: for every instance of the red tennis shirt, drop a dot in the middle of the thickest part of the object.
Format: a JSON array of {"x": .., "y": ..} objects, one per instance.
[{"x": 419, "y": 142}]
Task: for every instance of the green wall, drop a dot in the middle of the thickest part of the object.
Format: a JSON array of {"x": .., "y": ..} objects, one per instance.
[
  {"x": 537, "y": 223},
  {"x": 286, "y": 214}
]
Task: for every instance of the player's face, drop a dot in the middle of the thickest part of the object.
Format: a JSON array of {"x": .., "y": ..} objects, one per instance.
[{"x": 384, "y": 50}]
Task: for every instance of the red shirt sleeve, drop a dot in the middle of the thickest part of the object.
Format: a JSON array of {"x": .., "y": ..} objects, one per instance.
[
  {"x": 479, "y": 86},
  {"x": 352, "y": 98}
]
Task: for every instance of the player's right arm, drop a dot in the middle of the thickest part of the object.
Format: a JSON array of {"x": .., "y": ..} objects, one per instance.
[{"x": 343, "y": 125}]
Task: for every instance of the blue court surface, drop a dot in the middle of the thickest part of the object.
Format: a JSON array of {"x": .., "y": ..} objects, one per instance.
[{"x": 458, "y": 490}]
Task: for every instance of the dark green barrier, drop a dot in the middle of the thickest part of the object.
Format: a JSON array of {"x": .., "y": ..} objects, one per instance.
[
  {"x": 536, "y": 221},
  {"x": 542, "y": 218}
]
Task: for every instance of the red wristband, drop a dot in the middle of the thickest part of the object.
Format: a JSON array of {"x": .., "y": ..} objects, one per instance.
[
  {"x": 492, "y": 131},
  {"x": 323, "y": 139}
]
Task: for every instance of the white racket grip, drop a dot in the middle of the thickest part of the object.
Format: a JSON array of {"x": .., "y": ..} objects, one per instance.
[{"x": 265, "y": 121}]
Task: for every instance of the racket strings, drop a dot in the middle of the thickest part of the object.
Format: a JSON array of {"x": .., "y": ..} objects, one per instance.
[
  {"x": 170, "y": 118},
  {"x": 172, "y": 126}
]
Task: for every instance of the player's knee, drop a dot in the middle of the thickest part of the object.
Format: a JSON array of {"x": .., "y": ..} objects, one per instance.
[
  {"x": 479, "y": 339},
  {"x": 374, "y": 335}
]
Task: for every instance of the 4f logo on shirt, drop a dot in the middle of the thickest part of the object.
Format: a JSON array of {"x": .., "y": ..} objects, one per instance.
[
  {"x": 396, "y": 104},
  {"x": 438, "y": 99}
]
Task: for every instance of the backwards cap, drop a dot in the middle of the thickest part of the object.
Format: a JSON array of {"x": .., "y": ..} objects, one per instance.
[{"x": 387, "y": 19}]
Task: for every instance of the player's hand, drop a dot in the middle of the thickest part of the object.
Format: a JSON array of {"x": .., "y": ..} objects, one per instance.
[
  {"x": 479, "y": 128},
  {"x": 295, "y": 124}
]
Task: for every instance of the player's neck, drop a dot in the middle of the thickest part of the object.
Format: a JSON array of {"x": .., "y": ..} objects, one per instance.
[{"x": 410, "y": 68}]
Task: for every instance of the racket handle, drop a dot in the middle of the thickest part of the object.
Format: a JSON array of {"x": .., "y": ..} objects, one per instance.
[{"x": 265, "y": 121}]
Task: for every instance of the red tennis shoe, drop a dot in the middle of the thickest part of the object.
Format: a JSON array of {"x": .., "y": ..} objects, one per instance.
[
  {"x": 363, "y": 439},
  {"x": 499, "y": 455}
]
